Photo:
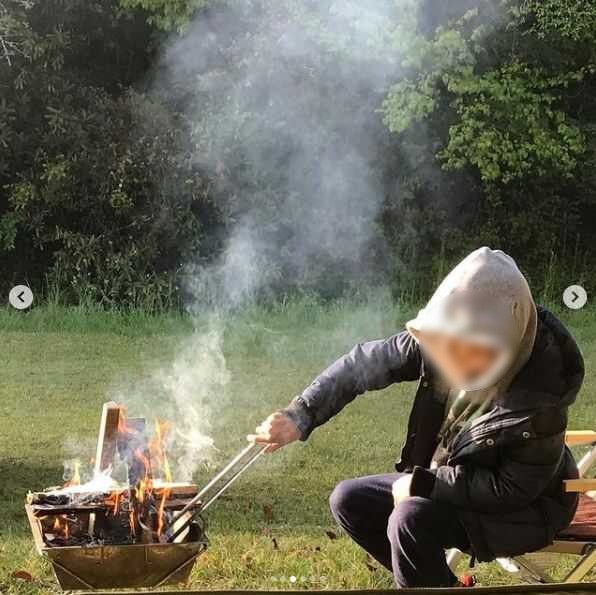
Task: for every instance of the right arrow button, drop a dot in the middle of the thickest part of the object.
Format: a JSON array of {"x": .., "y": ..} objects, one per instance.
[{"x": 575, "y": 297}]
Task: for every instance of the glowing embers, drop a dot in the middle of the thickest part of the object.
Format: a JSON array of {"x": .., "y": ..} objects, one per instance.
[{"x": 122, "y": 516}]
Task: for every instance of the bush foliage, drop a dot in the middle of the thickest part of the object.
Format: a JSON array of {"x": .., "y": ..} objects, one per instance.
[{"x": 486, "y": 133}]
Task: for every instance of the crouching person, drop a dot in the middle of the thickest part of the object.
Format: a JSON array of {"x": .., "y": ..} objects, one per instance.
[{"x": 484, "y": 460}]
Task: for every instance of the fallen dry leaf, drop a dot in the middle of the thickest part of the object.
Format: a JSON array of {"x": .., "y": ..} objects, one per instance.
[
  {"x": 22, "y": 575},
  {"x": 268, "y": 512},
  {"x": 369, "y": 565}
]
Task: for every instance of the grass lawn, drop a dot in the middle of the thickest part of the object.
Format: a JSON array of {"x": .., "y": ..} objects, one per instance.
[{"x": 58, "y": 367}]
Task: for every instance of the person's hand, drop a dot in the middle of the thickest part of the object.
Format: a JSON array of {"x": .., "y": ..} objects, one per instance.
[
  {"x": 276, "y": 431},
  {"x": 401, "y": 489}
]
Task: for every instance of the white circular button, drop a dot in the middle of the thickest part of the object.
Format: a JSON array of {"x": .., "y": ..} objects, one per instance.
[
  {"x": 20, "y": 297},
  {"x": 575, "y": 297}
]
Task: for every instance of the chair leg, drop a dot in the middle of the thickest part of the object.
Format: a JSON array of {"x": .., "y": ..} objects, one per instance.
[
  {"x": 586, "y": 462},
  {"x": 530, "y": 572},
  {"x": 582, "y": 567},
  {"x": 508, "y": 565}
]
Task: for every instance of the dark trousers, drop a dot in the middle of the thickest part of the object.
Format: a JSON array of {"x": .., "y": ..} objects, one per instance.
[{"x": 409, "y": 540}]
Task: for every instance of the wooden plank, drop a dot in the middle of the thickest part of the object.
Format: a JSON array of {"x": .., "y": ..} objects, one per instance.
[
  {"x": 107, "y": 442},
  {"x": 39, "y": 510},
  {"x": 562, "y": 546},
  {"x": 177, "y": 488},
  {"x": 108, "y": 436},
  {"x": 577, "y": 437},
  {"x": 580, "y": 485}
]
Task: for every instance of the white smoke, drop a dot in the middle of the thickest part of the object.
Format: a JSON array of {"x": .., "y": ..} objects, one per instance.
[
  {"x": 283, "y": 101},
  {"x": 254, "y": 116},
  {"x": 197, "y": 376}
]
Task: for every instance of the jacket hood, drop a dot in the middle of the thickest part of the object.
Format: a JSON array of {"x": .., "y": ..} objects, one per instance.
[
  {"x": 554, "y": 374},
  {"x": 485, "y": 299}
]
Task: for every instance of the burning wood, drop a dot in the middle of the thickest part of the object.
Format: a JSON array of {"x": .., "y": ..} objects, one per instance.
[
  {"x": 152, "y": 525},
  {"x": 104, "y": 512}
]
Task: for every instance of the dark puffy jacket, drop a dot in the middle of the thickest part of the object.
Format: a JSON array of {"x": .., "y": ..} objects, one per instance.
[{"x": 505, "y": 474}]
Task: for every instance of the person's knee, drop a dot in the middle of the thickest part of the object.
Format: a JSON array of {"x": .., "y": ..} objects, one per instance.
[
  {"x": 409, "y": 517},
  {"x": 342, "y": 498}
]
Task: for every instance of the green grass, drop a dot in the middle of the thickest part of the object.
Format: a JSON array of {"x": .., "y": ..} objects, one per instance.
[{"x": 58, "y": 367}]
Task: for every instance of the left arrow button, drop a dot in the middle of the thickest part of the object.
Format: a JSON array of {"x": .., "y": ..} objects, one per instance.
[{"x": 20, "y": 297}]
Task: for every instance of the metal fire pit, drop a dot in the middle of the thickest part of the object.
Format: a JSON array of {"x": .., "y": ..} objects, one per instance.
[
  {"x": 121, "y": 566},
  {"x": 153, "y": 558}
]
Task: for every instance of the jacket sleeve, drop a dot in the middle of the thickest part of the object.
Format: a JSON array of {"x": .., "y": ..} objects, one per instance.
[
  {"x": 521, "y": 476},
  {"x": 368, "y": 366}
]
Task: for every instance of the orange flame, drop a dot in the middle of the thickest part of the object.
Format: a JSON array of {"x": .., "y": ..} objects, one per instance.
[
  {"x": 145, "y": 486},
  {"x": 157, "y": 449},
  {"x": 153, "y": 459},
  {"x": 161, "y": 511},
  {"x": 75, "y": 480},
  {"x": 132, "y": 522},
  {"x": 158, "y": 453},
  {"x": 113, "y": 501},
  {"x": 61, "y": 529},
  {"x": 123, "y": 427}
]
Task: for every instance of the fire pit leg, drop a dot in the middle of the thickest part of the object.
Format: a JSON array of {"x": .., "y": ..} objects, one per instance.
[
  {"x": 191, "y": 561},
  {"x": 72, "y": 574}
]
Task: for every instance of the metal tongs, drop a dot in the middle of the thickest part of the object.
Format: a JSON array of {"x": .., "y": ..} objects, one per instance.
[{"x": 214, "y": 489}]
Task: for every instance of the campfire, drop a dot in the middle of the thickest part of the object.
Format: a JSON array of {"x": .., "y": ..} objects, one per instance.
[{"x": 145, "y": 531}]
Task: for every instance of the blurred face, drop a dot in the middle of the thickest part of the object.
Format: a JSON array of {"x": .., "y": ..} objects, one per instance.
[{"x": 460, "y": 362}]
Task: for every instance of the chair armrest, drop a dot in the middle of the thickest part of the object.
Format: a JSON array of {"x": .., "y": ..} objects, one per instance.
[
  {"x": 575, "y": 438},
  {"x": 580, "y": 485}
]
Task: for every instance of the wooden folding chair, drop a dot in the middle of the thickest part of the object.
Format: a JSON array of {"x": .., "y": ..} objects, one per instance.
[{"x": 579, "y": 539}]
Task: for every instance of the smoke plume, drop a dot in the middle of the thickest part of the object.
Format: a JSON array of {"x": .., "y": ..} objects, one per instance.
[{"x": 283, "y": 101}]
